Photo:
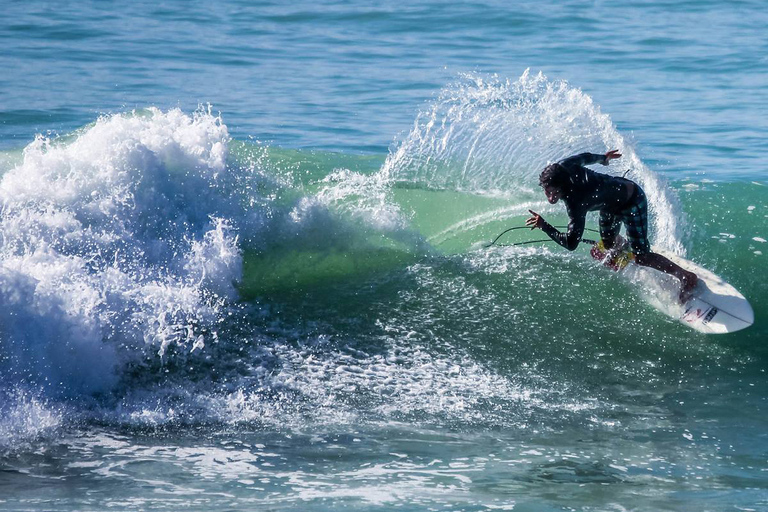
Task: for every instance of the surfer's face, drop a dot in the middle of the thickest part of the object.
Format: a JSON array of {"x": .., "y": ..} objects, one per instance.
[{"x": 553, "y": 194}]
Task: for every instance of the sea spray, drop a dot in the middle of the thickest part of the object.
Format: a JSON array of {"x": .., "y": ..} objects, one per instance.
[
  {"x": 486, "y": 135},
  {"x": 26, "y": 417}
]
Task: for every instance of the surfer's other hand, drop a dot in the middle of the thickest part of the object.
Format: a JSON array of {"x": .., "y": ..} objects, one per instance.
[
  {"x": 611, "y": 155},
  {"x": 536, "y": 221}
]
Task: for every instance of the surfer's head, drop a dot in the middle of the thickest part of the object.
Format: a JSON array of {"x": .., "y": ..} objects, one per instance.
[{"x": 554, "y": 179}]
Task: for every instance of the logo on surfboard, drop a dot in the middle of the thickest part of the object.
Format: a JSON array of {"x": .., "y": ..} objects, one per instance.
[
  {"x": 710, "y": 315},
  {"x": 692, "y": 315}
]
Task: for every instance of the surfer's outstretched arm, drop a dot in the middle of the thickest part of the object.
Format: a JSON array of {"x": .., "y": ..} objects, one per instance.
[
  {"x": 570, "y": 239},
  {"x": 590, "y": 158}
]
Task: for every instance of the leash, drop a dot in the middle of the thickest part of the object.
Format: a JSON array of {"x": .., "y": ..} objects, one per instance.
[{"x": 583, "y": 240}]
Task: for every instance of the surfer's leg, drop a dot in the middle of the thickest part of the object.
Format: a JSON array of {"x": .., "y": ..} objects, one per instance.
[
  {"x": 635, "y": 218},
  {"x": 609, "y": 229}
]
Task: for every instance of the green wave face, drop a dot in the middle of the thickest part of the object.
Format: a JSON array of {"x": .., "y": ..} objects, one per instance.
[{"x": 721, "y": 226}]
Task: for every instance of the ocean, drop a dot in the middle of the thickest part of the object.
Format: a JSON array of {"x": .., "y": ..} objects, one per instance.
[{"x": 243, "y": 262}]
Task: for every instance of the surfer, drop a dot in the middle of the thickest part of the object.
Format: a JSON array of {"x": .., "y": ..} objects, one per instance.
[{"x": 618, "y": 200}]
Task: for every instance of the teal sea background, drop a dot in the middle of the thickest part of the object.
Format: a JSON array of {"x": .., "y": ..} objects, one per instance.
[{"x": 242, "y": 259}]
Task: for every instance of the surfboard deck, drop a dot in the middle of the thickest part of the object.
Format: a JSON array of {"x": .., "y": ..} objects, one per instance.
[{"x": 714, "y": 307}]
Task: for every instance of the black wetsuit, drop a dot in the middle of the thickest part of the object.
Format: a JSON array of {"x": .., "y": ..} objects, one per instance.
[{"x": 589, "y": 191}]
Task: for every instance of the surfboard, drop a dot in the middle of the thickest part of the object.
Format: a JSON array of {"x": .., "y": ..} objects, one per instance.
[{"x": 714, "y": 307}]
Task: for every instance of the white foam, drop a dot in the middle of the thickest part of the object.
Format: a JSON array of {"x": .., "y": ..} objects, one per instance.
[{"x": 113, "y": 241}]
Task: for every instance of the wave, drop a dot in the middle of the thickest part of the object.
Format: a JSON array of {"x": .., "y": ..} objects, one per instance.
[
  {"x": 116, "y": 240},
  {"x": 123, "y": 245},
  {"x": 154, "y": 270}
]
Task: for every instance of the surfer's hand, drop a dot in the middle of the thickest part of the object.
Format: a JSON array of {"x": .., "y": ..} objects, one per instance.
[
  {"x": 611, "y": 155},
  {"x": 536, "y": 221}
]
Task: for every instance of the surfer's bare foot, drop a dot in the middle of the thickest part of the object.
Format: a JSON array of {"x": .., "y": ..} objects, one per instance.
[{"x": 688, "y": 285}]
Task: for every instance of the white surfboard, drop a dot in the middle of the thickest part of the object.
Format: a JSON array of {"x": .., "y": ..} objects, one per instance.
[{"x": 715, "y": 307}]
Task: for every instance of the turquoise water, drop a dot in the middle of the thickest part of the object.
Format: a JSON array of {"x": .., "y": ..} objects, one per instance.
[{"x": 243, "y": 265}]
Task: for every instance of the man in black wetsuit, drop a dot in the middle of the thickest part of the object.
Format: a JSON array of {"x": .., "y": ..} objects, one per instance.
[{"x": 618, "y": 200}]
